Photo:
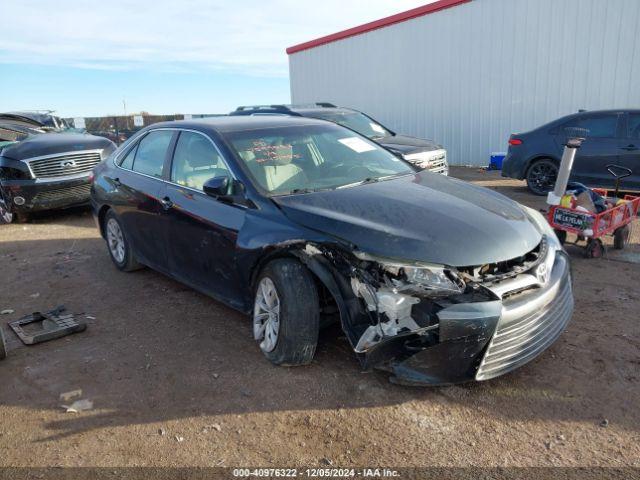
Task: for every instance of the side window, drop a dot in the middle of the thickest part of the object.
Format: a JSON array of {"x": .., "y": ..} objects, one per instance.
[
  {"x": 151, "y": 152},
  {"x": 599, "y": 126},
  {"x": 127, "y": 161},
  {"x": 195, "y": 161},
  {"x": 634, "y": 126}
]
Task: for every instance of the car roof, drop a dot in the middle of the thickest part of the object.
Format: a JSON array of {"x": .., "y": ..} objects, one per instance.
[
  {"x": 228, "y": 124},
  {"x": 301, "y": 109}
]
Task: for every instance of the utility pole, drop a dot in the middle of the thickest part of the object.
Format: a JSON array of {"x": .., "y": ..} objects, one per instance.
[{"x": 126, "y": 119}]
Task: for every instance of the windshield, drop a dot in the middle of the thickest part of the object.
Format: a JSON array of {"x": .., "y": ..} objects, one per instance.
[
  {"x": 355, "y": 121},
  {"x": 307, "y": 158},
  {"x": 10, "y": 132}
]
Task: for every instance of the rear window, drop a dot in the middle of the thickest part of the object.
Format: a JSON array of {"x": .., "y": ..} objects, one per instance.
[
  {"x": 599, "y": 126},
  {"x": 634, "y": 126},
  {"x": 151, "y": 152}
]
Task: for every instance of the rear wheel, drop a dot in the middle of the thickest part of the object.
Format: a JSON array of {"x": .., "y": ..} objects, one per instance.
[
  {"x": 286, "y": 313},
  {"x": 621, "y": 237},
  {"x": 118, "y": 245},
  {"x": 541, "y": 176}
]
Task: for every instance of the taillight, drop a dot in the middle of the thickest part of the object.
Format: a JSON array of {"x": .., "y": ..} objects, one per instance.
[
  {"x": 92, "y": 177},
  {"x": 515, "y": 141}
]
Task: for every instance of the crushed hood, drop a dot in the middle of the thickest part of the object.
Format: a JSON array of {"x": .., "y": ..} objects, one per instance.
[
  {"x": 407, "y": 145},
  {"x": 424, "y": 217},
  {"x": 52, "y": 143}
]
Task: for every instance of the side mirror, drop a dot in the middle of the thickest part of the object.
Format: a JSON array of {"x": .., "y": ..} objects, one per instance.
[{"x": 217, "y": 187}]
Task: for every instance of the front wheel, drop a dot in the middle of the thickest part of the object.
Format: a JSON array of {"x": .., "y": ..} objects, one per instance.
[
  {"x": 286, "y": 313},
  {"x": 118, "y": 245},
  {"x": 541, "y": 176},
  {"x": 5, "y": 215}
]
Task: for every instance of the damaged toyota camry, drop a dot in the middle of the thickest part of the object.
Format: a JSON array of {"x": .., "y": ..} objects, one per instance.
[{"x": 301, "y": 223}]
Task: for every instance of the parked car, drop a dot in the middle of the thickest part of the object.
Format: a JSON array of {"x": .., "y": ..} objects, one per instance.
[
  {"x": 44, "y": 167},
  {"x": 299, "y": 222},
  {"x": 614, "y": 138},
  {"x": 425, "y": 154}
]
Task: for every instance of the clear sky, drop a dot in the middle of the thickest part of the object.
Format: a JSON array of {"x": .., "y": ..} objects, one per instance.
[{"x": 83, "y": 58}]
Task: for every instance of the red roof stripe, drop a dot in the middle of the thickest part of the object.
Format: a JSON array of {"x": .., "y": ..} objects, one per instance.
[{"x": 384, "y": 22}]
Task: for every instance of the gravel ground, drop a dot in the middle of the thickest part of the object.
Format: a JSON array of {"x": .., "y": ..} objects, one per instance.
[{"x": 176, "y": 379}]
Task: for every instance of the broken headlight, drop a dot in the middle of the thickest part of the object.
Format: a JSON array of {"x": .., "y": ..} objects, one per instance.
[
  {"x": 435, "y": 278},
  {"x": 419, "y": 278}
]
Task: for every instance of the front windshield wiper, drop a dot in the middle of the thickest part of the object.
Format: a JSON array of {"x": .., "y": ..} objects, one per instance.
[
  {"x": 361, "y": 182},
  {"x": 373, "y": 180}
]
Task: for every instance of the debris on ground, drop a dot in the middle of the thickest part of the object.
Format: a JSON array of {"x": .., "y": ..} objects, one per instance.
[
  {"x": 79, "y": 406},
  {"x": 7, "y": 311},
  {"x": 34, "y": 295},
  {"x": 53, "y": 324},
  {"x": 162, "y": 431},
  {"x": 604, "y": 423},
  {"x": 215, "y": 426},
  {"x": 68, "y": 396},
  {"x": 179, "y": 439}
]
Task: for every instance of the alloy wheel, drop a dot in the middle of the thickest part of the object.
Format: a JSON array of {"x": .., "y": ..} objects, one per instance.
[
  {"x": 115, "y": 239},
  {"x": 266, "y": 315},
  {"x": 5, "y": 215},
  {"x": 542, "y": 177}
]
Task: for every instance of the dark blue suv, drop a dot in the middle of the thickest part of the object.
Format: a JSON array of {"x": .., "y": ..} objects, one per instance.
[{"x": 614, "y": 138}]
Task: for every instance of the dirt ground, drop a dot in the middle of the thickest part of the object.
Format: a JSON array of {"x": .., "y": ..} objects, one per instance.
[{"x": 176, "y": 379}]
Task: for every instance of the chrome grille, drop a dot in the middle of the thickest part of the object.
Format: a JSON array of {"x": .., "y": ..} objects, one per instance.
[
  {"x": 519, "y": 341},
  {"x": 64, "y": 164},
  {"x": 434, "y": 161},
  {"x": 77, "y": 192}
]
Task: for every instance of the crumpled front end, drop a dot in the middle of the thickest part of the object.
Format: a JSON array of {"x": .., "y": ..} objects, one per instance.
[{"x": 436, "y": 325}]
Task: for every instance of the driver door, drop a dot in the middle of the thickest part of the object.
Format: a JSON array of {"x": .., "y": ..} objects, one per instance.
[{"x": 202, "y": 230}]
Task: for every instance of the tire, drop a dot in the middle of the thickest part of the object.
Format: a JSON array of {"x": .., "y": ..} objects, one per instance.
[
  {"x": 562, "y": 236},
  {"x": 5, "y": 215},
  {"x": 117, "y": 244},
  {"x": 295, "y": 313},
  {"x": 541, "y": 176},
  {"x": 621, "y": 237},
  {"x": 595, "y": 248}
]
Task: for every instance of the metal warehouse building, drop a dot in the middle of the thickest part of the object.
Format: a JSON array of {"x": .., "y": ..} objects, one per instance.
[{"x": 468, "y": 73}]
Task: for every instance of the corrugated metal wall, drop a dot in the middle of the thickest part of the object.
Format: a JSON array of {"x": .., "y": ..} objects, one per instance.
[{"x": 471, "y": 75}]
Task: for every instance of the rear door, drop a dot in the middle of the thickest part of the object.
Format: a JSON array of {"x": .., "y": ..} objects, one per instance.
[
  {"x": 139, "y": 183},
  {"x": 630, "y": 152},
  {"x": 601, "y": 148},
  {"x": 202, "y": 230}
]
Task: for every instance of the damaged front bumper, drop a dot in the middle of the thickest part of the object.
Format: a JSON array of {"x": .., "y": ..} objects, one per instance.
[
  {"x": 483, "y": 340},
  {"x": 495, "y": 323}
]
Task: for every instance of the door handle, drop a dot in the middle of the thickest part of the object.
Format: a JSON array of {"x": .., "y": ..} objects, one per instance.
[
  {"x": 166, "y": 203},
  {"x": 630, "y": 148}
]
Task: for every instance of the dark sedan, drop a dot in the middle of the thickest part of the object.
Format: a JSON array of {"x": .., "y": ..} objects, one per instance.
[
  {"x": 301, "y": 222},
  {"x": 614, "y": 138}
]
